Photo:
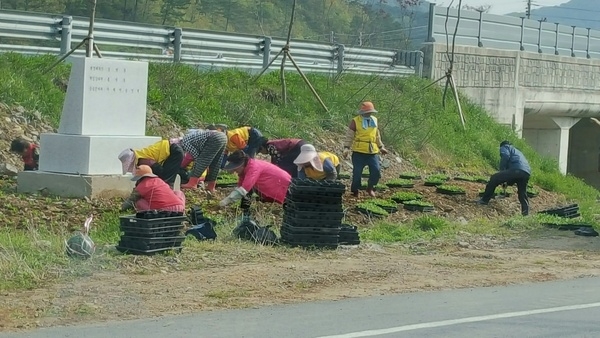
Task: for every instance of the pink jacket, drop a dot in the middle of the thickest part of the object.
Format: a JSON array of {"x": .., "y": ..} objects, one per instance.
[{"x": 270, "y": 180}]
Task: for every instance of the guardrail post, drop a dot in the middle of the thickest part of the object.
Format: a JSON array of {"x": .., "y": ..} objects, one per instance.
[
  {"x": 540, "y": 37},
  {"x": 430, "y": 24},
  {"x": 177, "y": 43},
  {"x": 522, "y": 48},
  {"x": 587, "y": 48},
  {"x": 556, "y": 40},
  {"x": 479, "y": 43},
  {"x": 266, "y": 51},
  {"x": 340, "y": 59},
  {"x": 66, "y": 25},
  {"x": 573, "y": 42},
  {"x": 419, "y": 57}
]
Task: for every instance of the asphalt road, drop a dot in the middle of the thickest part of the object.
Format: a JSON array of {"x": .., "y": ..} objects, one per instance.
[{"x": 553, "y": 309}]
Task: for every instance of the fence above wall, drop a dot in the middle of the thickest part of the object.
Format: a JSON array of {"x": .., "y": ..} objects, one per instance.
[
  {"x": 37, "y": 33},
  {"x": 512, "y": 33}
]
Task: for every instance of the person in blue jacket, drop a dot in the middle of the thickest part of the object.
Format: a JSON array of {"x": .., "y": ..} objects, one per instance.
[{"x": 514, "y": 169}]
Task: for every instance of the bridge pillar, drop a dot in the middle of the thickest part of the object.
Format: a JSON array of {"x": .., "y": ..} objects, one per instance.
[{"x": 564, "y": 124}]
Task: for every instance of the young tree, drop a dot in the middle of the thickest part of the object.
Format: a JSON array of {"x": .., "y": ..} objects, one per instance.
[{"x": 172, "y": 10}]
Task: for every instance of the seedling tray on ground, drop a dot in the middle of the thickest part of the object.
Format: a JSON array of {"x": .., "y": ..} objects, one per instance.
[
  {"x": 369, "y": 212},
  {"x": 410, "y": 177},
  {"x": 570, "y": 226},
  {"x": 146, "y": 252},
  {"x": 394, "y": 185},
  {"x": 318, "y": 207},
  {"x": 307, "y": 238},
  {"x": 418, "y": 208},
  {"x": 432, "y": 184},
  {"x": 165, "y": 231},
  {"x": 226, "y": 184},
  {"x": 132, "y": 220},
  {"x": 287, "y": 228},
  {"x": 569, "y": 211},
  {"x": 344, "y": 176},
  {"x": 532, "y": 194},
  {"x": 349, "y": 235},
  {"x": 449, "y": 192},
  {"x": 311, "y": 223}
]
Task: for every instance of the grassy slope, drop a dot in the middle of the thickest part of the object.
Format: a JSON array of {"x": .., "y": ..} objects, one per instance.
[{"x": 413, "y": 123}]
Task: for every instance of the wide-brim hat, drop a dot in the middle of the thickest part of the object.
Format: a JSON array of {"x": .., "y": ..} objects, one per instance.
[
  {"x": 127, "y": 158},
  {"x": 137, "y": 178},
  {"x": 366, "y": 107},
  {"x": 308, "y": 154},
  {"x": 232, "y": 165}
]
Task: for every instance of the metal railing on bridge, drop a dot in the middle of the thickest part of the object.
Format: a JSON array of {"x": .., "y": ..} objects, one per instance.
[
  {"x": 512, "y": 33},
  {"x": 37, "y": 33}
]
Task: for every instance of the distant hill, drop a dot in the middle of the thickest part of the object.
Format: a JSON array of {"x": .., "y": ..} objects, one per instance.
[{"x": 580, "y": 13}]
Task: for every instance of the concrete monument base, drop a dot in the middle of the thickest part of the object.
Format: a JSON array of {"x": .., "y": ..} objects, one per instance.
[
  {"x": 79, "y": 186},
  {"x": 87, "y": 155}
]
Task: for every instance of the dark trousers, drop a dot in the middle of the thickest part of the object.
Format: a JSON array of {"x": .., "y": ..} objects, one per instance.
[
  {"x": 171, "y": 166},
  {"x": 286, "y": 162},
  {"x": 254, "y": 142},
  {"x": 510, "y": 177},
  {"x": 359, "y": 161}
]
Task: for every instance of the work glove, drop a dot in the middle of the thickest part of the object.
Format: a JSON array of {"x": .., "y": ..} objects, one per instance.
[{"x": 236, "y": 195}]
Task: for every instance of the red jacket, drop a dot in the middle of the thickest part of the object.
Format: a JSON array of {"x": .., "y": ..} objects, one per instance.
[
  {"x": 158, "y": 193},
  {"x": 31, "y": 157}
]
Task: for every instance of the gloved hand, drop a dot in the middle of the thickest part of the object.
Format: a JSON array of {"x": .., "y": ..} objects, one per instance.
[
  {"x": 383, "y": 151},
  {"x": 191, "y": 184},
  {"x": 235, "y": 195}
]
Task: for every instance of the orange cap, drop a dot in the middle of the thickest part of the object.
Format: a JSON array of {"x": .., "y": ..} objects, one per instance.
[{"x": 367, "y": 107}]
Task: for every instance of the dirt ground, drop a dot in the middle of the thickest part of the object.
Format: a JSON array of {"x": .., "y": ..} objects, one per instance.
[{"x": 272, "y": 277}]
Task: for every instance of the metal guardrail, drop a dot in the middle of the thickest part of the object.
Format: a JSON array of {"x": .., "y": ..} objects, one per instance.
[
  {"x": 512, "y": 33},
  {"x": 37, "y": 33}
]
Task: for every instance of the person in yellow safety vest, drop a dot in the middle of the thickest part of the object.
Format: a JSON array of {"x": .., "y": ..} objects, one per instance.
[
  {"x": 245, "y": 138},
  {"x": 164, "y": 157},
  {"x": 364, "y": 140},
  {"x": 317, "y": 165}
]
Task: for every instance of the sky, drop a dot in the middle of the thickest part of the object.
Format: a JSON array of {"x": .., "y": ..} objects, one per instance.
[{"x": 504, "y": 7}]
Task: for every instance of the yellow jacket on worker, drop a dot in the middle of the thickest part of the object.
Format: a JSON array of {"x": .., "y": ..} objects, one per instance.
[
  {"x": 314, "y": 173},
  {"x": 158, "y": 151},
  {"x": 365, "y": 137}
]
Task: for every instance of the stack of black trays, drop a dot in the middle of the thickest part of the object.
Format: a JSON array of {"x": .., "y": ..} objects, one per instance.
[
  {"x": 313, "y": 213},
  {"x": 349, "y": 235},
  {"x": 150, "y": 232},
  {"x": 568, "y": 211}
]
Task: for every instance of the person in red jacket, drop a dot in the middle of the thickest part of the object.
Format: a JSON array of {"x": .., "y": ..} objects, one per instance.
[
  {"x": 29, "y": 153},
  {"x": 152, "y": 193},
  {"x": 283, "y": 152}
]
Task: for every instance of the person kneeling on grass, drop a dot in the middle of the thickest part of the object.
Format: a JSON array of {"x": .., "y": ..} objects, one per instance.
[
  {"x": 514, "y": 168},
  {"x": 317, "y": 165},
  {"x": 152, "y": 193},
  {"x": 28, "y": 151},
  {"x": 268, "y": 180}
]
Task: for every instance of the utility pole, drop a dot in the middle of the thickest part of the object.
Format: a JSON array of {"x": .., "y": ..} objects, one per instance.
[
  {"x": 360, "y": 39},
  {"x": 528, "y": 9}
]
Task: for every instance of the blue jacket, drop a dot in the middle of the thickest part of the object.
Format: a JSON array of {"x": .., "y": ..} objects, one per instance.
[{"x": 513, "y": 158}]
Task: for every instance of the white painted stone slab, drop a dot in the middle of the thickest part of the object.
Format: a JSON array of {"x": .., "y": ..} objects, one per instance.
[
  {"x": 87, "y": 155},
  {"x": 105, "y": 97}
]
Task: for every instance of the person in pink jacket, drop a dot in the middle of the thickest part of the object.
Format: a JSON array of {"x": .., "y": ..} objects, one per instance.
[{"x": 268, "y": 180}]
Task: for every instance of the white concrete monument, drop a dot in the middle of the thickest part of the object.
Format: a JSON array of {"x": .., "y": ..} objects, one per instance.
[{"x": 104, "y": 112}]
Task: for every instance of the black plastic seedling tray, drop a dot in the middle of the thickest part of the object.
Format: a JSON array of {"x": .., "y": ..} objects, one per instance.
[
  {"x": 449, "y": 192},
  {"x": 318, "y": 207},
  {"x": 143, "y": 243},
  {"x": 146, "y": 252},
  {"x": 418, "y": 208},
  {"x": 290, "y": 229},
  {"x": 315, "y": 215},
  {"x": 369, "y": 212},
  {"x": 132, "y": 220},
  {"x": 311, "y": 223},
  {"x": 166, "y": 231}
]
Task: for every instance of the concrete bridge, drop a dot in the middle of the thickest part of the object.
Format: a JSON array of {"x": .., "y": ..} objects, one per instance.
[{"x": 546, "y": 98}]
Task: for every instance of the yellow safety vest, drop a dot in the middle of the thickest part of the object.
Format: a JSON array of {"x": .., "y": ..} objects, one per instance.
[
  {"x": 365, "y": 140},
  {"x": 243, "y": 132},
  {"x": 158, "y": 151},
  {"x": 321, "y": 175}
]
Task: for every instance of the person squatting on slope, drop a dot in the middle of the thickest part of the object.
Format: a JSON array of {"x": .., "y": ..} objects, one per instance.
[
  {"x": 206, "y": 148},
  {"x": 152, "y": 193},
  {"x": 163, "y": 157},
  {"x": 317, "y": 165},
  {"x": 283, "y": 152},
  {"x": 266, "y": 179},
  {"x": 514, "y": 168},
  {"x": 364, "y": 140},
  {"x": 29, "y": 152},
  {"x": 246, "y": 138}
]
